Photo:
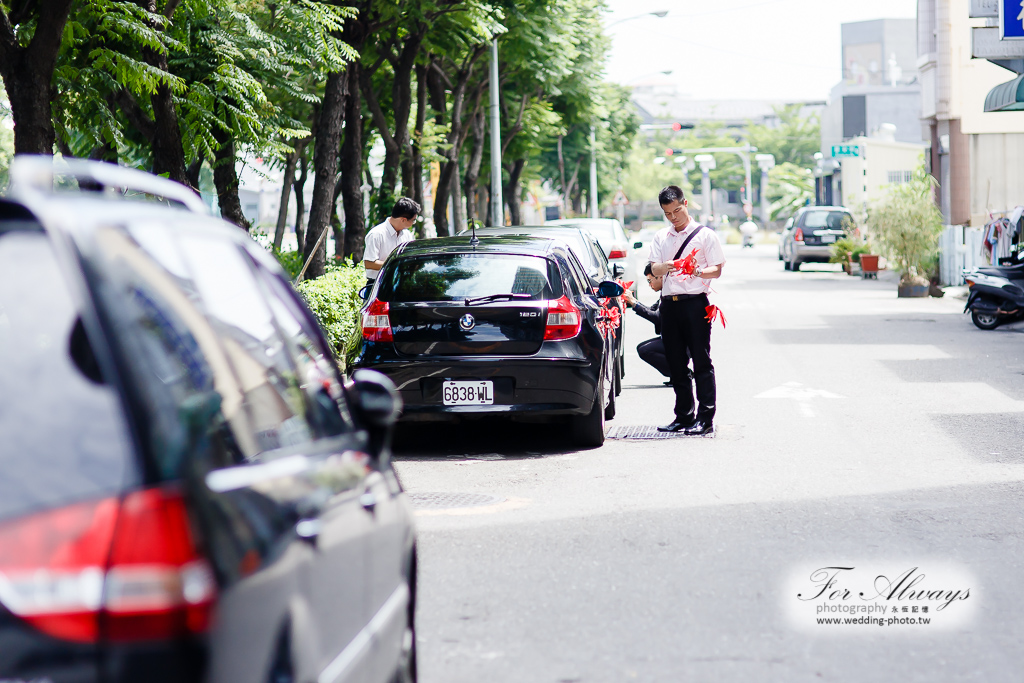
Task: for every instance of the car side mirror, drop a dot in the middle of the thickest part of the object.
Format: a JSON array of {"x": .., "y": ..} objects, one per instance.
[
  {"x": 638, "y": 245},
  {"x": 608, "y": 289},
  {"x": 375, "y": 403},
  {"x": 364, "y": 293},
  {"x": 618, "y": 270}
]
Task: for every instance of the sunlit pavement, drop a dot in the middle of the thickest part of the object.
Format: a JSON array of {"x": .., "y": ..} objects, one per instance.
[{"x": 853, "y": 429}]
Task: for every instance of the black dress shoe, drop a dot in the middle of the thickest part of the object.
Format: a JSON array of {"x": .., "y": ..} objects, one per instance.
[
  {"x": 699, "y": 429},
  {"x": 676, "y": 426}
]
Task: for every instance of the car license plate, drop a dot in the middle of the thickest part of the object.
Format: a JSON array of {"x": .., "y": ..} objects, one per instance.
[
  {"x": 828, "y": 239},
  {"x": 474, "y": 393}
]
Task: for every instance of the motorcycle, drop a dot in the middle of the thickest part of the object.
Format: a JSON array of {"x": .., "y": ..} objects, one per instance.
[{"x": 995, "y": 296}]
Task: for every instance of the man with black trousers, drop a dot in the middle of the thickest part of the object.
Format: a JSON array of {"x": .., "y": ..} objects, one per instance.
[
  {"x": 652, "y": 351},
  {"x": 685, "y": 327}
]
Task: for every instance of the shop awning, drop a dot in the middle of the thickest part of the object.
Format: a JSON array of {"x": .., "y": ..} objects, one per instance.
[{"x": 1006, "y": 96}]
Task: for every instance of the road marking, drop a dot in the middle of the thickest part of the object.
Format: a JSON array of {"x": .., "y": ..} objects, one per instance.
[{"x": 799, "y": 393}]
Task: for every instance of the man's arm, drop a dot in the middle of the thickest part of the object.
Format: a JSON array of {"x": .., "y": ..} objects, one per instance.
[
  {"x": 373, "y": 265},
  {"x": 371, "y": 252}
]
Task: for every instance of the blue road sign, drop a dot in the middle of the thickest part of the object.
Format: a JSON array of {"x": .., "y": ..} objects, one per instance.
[{"x": 1011, "y": 19}]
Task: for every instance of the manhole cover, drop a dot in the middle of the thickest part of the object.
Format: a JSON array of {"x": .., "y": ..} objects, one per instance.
[
  {"x": 645, "y": 432},
  {"x": 452, "y": 500}
]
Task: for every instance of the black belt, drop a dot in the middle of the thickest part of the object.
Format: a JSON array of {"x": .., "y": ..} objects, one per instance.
[{"x": 682, "y": 297}]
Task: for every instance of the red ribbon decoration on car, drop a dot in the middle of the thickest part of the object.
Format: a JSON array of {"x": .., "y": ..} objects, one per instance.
[
  {"x": 686, "y": 266},
  {"x": 713, "y": 312}
]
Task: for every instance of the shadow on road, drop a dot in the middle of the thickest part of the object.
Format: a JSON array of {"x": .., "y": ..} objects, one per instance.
[{"x": 496, "y": 438}]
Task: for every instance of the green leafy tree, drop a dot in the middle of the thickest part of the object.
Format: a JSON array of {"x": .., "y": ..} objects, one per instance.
[{"x": 907, "y": 223}]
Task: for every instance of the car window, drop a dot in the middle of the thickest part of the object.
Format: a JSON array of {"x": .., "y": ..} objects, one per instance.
[
  {"x": 574, "y": 286},
  {"x": 581, "y": 273},
  {"x": 234, "y": 303},
  {"x": 833, "y": 220},
  {"x": 600, "y": 260},
  {"x": 65, "y": 436},
  {"x": 317, "y": 375},
  {"x": 452, "y": 277}
]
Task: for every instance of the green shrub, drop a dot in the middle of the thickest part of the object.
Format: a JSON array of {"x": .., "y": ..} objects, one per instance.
[
  {"x": 908, "y": 224},
  {"x": 334, "y": 300},
  {"x": 291, "y": 261}
]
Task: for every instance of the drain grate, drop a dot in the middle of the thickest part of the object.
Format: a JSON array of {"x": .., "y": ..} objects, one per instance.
[
  {"x": 647, "y": 432},
  {"x": 443, "y": 501}
]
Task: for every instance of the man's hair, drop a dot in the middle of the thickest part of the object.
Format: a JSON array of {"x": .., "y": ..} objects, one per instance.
[
  {"x": 647, "y": 270},
  {"x": 405, "y": 208},
  {"x": 670, "y": 194}
]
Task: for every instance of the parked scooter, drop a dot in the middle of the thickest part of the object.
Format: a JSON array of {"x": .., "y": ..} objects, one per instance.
[
  {"x": 748, "y": 229},
  {"x": 994, "y": 298}
]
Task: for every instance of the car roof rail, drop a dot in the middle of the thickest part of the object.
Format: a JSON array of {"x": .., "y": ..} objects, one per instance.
[{"x": 35, "y": 172}]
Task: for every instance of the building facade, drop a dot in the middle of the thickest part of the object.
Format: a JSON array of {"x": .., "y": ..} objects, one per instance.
[
  {"x": 879, "y": 99},
  {"x": 974, "y": 154}
]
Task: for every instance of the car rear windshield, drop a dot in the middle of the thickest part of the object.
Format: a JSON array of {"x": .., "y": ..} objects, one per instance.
[
  {"x": 64, "y": 435},
  {"x": 834, "y": 220},
  {"x": 455, "y": 277}
]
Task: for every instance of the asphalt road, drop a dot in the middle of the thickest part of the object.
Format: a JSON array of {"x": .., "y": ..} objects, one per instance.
[{"x": 854, "y": 430}]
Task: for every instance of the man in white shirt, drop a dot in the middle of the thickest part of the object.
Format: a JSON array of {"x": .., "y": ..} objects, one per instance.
[
  {"x": 386, "y": 237},
  {"x": 685, "y": 327}
]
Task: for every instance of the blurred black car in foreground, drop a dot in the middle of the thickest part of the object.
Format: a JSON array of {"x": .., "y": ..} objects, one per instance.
[
  {"x": 189, "y": 491},
  {"x": 508, "y": 327}
]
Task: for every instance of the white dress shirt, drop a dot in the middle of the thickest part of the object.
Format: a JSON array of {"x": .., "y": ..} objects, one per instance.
[
  {"x": 380, "y": 242},
  {"x": 667, "y": 242}
]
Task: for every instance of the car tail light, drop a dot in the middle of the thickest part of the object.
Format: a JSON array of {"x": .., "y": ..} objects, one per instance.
[
  {"x": 617, "y": 252},
  {"x": 970, "y": 283},
  {"x": 376, "y": 324},
  {"x": 563, "y": 320},
  {"x": 799, "y": 235},
  {"x": 114, "y": 569}
]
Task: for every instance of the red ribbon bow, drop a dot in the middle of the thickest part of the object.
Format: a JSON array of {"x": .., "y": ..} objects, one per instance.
[
  {"x": 686, "y": 266},
  {"x": 713, "y": 312}
]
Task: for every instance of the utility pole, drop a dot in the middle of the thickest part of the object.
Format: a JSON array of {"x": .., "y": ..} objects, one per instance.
[
  {"x": 497, "y": 213},
  {"x": 707, "y": 164},
  {"x": 593, "y": 173},
  {"x": 749, "y": 199},
  {"x": 765, "y": 162}
]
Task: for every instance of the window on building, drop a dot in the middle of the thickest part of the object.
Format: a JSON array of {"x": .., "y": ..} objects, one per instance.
[{"x": 900, "y": 177}]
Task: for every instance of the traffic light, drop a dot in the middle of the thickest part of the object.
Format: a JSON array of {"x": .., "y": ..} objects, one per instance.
[{"x": 677, "y": 126}]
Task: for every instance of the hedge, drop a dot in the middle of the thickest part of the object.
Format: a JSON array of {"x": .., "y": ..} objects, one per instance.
[{"x": 334, "y": 300}]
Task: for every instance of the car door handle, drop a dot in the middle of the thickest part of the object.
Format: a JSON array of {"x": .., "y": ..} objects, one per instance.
[
  {"x": 368, "y": 500},
  {"x": 309, "y": 529}
]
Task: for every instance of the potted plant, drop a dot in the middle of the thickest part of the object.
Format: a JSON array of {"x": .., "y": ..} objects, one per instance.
[
  {"x": 842, "y": 251},
  {"x": 907, "y": 224}
]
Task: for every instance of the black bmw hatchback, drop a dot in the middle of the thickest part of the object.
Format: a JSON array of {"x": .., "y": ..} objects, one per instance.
[
  {"x": 507, "y": 326},
  {"x": 189, "y": 490}
]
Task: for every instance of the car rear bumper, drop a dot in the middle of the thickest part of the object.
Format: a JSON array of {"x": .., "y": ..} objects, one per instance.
[
  {"x": 820, "y": 254},
  {"x": 528, "y": 386}
]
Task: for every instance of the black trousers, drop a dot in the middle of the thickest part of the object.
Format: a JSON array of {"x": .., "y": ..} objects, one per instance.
[
  {"x": 687, "y": 335},
  {"x": 652, "y": 352}
]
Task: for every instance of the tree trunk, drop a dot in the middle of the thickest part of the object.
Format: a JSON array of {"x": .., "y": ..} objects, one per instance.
[
  {"x": 397, "y": 143},
  {"x": 457, "y": 131},
  {"x": 300, "y": 200},
  {"x": 476, "y": 156},
  {"x": 352, "y": 171},
  {"x": 417, "y": 138},
  {"x": 458, "y": 214},
  {"x": 168, "y": 152},
  {"x": 287, "y": 180},
  {"x": 226, "y": 179},
  {"x": 27, "y": 71},
  {"x": 513, "y": 192},
  {"x": 325, "y": 170},
  {"x": 561, "y": 173}
]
